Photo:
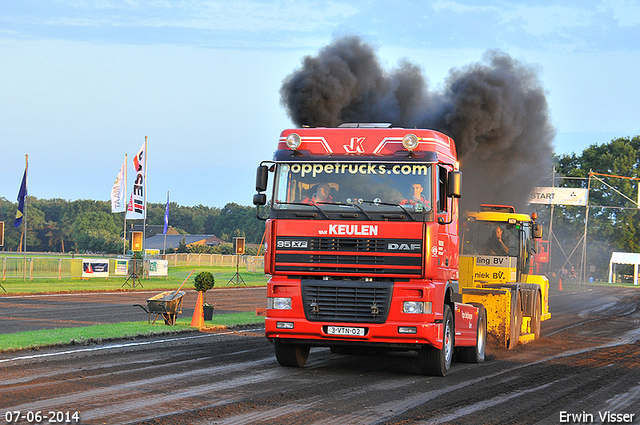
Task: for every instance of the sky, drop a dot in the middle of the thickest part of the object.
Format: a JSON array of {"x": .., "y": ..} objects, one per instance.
[{"x": 82, "y": 82}]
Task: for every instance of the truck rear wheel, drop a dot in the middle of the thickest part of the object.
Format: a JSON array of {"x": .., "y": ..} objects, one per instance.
[
  {"x": 437, "y": 362},
  {"x": 537, "y": 317},
  {"x": 476, "y": 354},
  {"x": 291, "y": 355},
  {"x": 516, "y": 323}
]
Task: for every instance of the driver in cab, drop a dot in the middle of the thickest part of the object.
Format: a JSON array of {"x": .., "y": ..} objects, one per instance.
[
  {"x": 495, "y": 245},
  {"x": 417, "y": 199},
  {"x": 322, "y": 195}
]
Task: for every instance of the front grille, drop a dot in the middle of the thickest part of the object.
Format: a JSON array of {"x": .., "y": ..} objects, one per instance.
[
  {"x": 379, "y": 260},
  {"x": 351, "y": 302},
  {"x": 346, "y": 244},
  {"x": 392, "y": 257}
]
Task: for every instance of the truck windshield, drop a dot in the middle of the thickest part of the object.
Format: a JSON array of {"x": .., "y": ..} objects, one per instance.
[
  {"x": 366, "y": 186},
  {"x": 490, "y": 238}
]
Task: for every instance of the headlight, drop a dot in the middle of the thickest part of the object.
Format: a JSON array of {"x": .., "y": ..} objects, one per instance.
[
  {"x": 416, "y": 307},
  {"x": 293, "y": 141},
  {"x": 410, "y": 141},
  {"x": 278, "y": 303}
]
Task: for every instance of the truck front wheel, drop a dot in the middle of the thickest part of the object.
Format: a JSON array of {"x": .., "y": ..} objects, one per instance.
[
  {"x": 437, "y": 362},
  {"x": 291, "y": 355}
]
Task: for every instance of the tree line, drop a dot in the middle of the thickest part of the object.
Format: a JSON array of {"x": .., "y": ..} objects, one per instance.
[
  {"x": 58, "y": 225},
  {"x": 614, "y": 217}
]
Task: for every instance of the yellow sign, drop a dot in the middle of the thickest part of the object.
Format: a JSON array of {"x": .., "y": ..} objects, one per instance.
[
  {"x": 239, "y": 246},
  {"x": 136, "y": 241}
]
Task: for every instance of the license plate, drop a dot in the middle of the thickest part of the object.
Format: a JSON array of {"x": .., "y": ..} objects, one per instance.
[{"x": 344, "y": 330}]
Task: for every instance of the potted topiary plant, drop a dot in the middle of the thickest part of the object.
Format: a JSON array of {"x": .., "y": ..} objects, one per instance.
[{"x": 203, "y": 282}]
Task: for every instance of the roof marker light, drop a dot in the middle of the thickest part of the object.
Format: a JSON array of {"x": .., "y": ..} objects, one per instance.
[
  {"x": 410, "y": 141},
  {"x": 293, "y": 141}
]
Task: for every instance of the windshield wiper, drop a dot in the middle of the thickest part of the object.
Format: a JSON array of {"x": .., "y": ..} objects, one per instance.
[
  {"x": 308, "y": 205},
  {"x": 361, "y": 209},
  {"x": 391, "y": 205}
]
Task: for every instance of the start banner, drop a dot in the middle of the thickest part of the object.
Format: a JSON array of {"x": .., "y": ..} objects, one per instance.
[{"x": 559, "y": 196}]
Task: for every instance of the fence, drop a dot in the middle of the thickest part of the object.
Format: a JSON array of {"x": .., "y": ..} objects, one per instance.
[
  {"x": 255, "y": 264},
  {"x": 251, "y": 264},
  {"x": 199, "y": 260},
  {"x": 45, "y": 267},
  {"x": 37, "y": 267}
]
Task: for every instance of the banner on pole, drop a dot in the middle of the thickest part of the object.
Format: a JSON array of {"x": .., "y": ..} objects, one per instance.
[
  {"x": 118, "y": 191},
  {"x": 166, "y": 216},
  {"x": 137, "y": 210},
  {"x": 21, "y": 195},
  {"x": 559, "y": 196}
]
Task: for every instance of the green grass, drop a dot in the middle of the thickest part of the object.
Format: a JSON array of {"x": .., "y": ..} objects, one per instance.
[
  {"x": 229, "y": 320},
  {"x": 614, "y": 284},
  {"x": 222, "y": 275},
  {"x": 224, "y": 278},
  {"x": 570, "y": 286},
  {"x": 100, "y": 333}
]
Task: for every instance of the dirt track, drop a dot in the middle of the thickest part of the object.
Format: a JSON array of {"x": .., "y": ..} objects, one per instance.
[
  {"x": 49, "y": 311},
  {"x": 587, "y": 363}
]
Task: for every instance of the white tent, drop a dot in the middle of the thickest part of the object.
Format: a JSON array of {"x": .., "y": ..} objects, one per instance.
[{"x": 624, "y": 258}]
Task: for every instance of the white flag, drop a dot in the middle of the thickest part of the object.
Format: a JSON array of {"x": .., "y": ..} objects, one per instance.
[
  {"x": 137, "y": 209},
  {"x": 119, "y": 190}
]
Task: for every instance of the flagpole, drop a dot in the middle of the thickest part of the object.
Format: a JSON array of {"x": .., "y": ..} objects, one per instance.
[
  {"x": 124, "y": 231},
  {"x": 24, "y": 265},
  {"x": 144, "y": 221}
]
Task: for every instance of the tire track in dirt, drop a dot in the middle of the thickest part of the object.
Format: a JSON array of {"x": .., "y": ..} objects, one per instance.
[{"x": 587, "y": 363}]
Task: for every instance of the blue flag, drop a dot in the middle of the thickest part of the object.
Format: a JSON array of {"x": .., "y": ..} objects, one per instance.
[
  {"x": 166, "y": 216},
  {"x": 21, "y": 195}
]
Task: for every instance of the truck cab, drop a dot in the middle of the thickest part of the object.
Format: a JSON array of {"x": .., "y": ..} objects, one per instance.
[
  {"x": 498, "y": 248},
  {"x": 362, "y": 244}
]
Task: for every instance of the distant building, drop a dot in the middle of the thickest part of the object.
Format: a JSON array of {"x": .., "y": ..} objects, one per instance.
[
  {"x": 173, "y": 241},
  {"x": 154, "y": 239},
  {"x": 152, "y": 230}
]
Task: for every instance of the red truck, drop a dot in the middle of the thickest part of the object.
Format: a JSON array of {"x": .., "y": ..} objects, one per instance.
[{"x": 362, "y": 245}]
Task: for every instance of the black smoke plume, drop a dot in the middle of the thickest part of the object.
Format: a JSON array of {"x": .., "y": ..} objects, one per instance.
[{"x": 495, "y": 110}]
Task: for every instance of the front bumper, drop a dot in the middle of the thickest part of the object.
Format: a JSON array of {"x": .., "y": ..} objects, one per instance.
[{"x": 386, "y": 334}]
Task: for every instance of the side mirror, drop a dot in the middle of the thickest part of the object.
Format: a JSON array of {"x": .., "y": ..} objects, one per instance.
[
  {"x": 259, "y": 199},
  {"x": 262, "y": 175},
  {"x": 454, "y": 184},
  {"x": 442, "y": 221}
]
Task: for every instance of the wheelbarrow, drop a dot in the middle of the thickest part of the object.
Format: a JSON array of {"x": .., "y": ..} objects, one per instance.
[{"x": 168, "y": 304}]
